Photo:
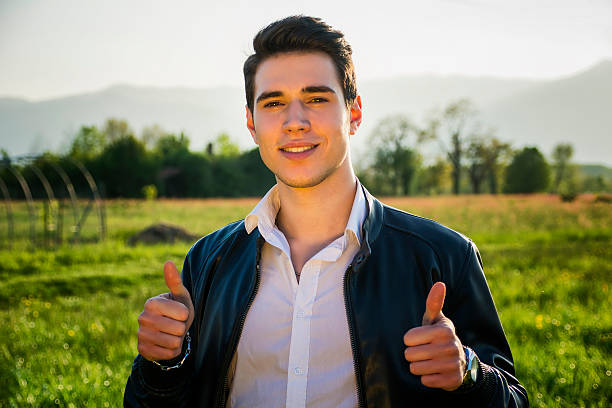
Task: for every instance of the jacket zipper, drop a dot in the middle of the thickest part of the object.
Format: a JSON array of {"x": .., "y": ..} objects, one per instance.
[
  {"x": 221, "y": 400},
  {"x": 350, "y": 320}
]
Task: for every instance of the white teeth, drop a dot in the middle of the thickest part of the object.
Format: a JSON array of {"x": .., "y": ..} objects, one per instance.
[{"x": 298, "y": 149}]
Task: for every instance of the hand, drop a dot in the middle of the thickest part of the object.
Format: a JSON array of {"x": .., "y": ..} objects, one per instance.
[
  {"x": 165, "y": 319},
  {"x": 434, "y": 350}
]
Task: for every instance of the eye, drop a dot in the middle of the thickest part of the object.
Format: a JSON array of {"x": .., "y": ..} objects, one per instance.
[
  {"x": 272, "y": 104},
  {"x": 318, "y": 99}
]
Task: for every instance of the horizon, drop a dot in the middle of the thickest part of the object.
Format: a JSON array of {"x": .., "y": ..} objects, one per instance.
[
  {"x": 69, "y": 48},
  {"x": 241, "y": 86}
]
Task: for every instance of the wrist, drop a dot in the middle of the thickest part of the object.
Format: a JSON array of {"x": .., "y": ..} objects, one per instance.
[
  {"x": 472, "y": 369},
  {"x": 178, "y": 361}
]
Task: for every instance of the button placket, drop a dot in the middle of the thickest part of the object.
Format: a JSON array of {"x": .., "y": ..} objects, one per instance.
[{"x": 299, "y": 349}]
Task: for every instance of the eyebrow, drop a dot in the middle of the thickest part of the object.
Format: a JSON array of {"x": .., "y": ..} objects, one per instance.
[{"x": 308, "y": 90}]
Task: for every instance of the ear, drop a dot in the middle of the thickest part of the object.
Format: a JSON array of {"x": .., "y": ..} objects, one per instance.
[
  {"x": 355, "y": 115},
  {"x": 251, "y": 124}
]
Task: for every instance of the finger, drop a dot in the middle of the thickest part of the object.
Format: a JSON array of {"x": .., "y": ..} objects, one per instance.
[
  {"x": 163, "y": 324},
  {"x": 431, "y": 351},
  {"x": 160, "y": 339},
  {"x": 434, "y": 304},
  {"x": 167, "y": 307},
  {"x": 447, "y": 382},
  {"x": 175, "y": 284},
  {"x": 438, "y": 366},
  {"x": 440, "y": 333},
  {"x": 153, "y": 352}
]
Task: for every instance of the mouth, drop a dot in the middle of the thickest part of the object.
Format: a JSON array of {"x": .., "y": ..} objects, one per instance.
[{"x": 298, "y": 149}]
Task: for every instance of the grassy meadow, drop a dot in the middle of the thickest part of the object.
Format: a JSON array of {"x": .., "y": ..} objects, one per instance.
[{"x": 68, "y": 314}]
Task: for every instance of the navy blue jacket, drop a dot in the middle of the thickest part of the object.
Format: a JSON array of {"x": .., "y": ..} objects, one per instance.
[{"x": 385, "y": 289}]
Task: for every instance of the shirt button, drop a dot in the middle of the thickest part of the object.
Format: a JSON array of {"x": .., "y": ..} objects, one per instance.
[
  {"x": 299, "y": 315},
  {"x": 298, "y": 371}
]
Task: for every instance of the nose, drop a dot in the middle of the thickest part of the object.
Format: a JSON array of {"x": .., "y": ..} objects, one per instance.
[{"x": 296, "y": 119}]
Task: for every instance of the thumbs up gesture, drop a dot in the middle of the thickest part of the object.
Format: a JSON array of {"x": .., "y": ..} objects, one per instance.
[
  {"x": 165, "y": 319},
  {"x": 433, "y": 349}
]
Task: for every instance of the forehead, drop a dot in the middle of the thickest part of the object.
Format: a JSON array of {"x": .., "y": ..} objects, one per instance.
[{"x": 296, "y": 70}]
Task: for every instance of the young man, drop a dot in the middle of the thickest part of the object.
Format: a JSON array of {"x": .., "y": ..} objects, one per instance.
[{"x": 322, "y": 296}]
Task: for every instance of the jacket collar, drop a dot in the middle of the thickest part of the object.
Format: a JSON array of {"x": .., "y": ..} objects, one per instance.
[{"x": 370, "y": 229}]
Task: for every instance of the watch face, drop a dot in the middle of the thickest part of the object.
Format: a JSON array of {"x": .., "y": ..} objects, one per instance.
[{"x": 474, "y": 369}]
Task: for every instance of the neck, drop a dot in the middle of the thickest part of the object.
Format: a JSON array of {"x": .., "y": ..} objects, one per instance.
[{"x": 319, "y": 214}]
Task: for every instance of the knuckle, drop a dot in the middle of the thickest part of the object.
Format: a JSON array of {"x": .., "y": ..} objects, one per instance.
[
  {"x": 176, "y": 343},
  {"x": 426, "y": 381},
  {"x": 149, "y": 304},
  {"x": 168, "y": 354},
  {"x": 143, "y": 319},
  {"x": 142, "y": 349},
  {"x": 448, "y": 332},
  {"x": 458, "y": 379},
  {"x": 184, "y": 313},
  {"x": 451, "y": 349}
]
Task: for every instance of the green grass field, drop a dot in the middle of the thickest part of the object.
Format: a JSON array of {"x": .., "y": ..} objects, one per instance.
[{"x": 68, "y": 314}]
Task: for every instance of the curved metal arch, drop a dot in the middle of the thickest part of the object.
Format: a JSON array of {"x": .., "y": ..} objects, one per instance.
[
  {"x": 96, "y": 195},
  {"x": 50, "y": 197},
  {"x": 71, "y": 193},
  {"x": 9, "y": 211},
  {"x": 45, "y": 182},
  {"x": 28, "y": 195}
]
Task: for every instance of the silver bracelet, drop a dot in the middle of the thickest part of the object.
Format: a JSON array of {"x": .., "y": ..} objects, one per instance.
[{"x": 180, "y": 363}]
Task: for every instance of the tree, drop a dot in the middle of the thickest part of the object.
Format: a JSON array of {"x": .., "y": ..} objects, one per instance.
[
  {"x": 171, "y": 147},
  {"x": 115, "y": 129},
  {"x": 458, "y": 125},
  {"x": 484, "y": 156},
  {"x": 125, "y": 167},
  {"x": 224, "y": 146},
  {"x": 150, "y": 135},
  {"x": 497, "y": 154},
  {"x": 88, "y": 143},
  {"x": 434, "y": 178},
  {"x": 477, "y": 169},
  {"x": 527, "y": 173},
  {"x": 395, "y": 159},
  {"x": 564, "y": 173},
  {"x": 173, "y": 156}
]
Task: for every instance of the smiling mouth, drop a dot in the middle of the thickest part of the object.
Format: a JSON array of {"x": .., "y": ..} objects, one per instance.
[{"x": 298, "y": 149}]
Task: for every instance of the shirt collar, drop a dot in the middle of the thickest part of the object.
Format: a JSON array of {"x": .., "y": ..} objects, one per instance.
[{"x": 264, "y": 214}]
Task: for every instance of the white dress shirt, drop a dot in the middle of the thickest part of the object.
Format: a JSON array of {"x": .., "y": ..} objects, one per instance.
[{"x": 295, "y": 347}]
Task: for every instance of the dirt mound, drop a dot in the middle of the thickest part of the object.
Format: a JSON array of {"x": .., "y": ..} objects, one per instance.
[{"x": 161, "y": 234}]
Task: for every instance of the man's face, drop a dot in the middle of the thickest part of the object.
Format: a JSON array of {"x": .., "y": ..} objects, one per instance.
[{"x": 300, "y": 120}]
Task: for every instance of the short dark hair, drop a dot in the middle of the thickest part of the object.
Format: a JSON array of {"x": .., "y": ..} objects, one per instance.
[{"x": 302, "y": 33}]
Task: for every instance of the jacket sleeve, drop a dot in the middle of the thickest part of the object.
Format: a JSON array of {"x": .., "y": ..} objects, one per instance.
[
  {"x": 477, "y": 325},
  {"x": 149, "y": 386}
]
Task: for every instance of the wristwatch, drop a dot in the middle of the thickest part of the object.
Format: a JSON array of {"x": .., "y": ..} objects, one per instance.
[{"x": 473, "y": 366}]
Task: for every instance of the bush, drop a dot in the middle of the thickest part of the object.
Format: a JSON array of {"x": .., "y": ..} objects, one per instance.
[
  {"x": 527, "y": 173},
  {"x": 149, "y": 192}
]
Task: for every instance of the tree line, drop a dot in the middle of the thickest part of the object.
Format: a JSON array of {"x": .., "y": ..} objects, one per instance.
[{"x": 451, "y": 152}]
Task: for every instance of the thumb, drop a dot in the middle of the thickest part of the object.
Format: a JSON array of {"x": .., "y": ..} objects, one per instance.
[
  {"x": 175, "y": 284},
  {"x": 434, "y": 304}
]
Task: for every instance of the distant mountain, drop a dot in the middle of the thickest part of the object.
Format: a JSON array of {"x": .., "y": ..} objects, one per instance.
[
  {"x": 595, "y": 170},
  {"x": 29, "y": 127},
  {"x": 575, "y": 109}
]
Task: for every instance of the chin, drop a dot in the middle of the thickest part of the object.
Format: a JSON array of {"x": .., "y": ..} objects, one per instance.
[{"x": 302, "y": 182}]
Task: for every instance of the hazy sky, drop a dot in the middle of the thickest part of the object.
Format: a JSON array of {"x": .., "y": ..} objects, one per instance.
[{"x": 62, "y": 47}]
